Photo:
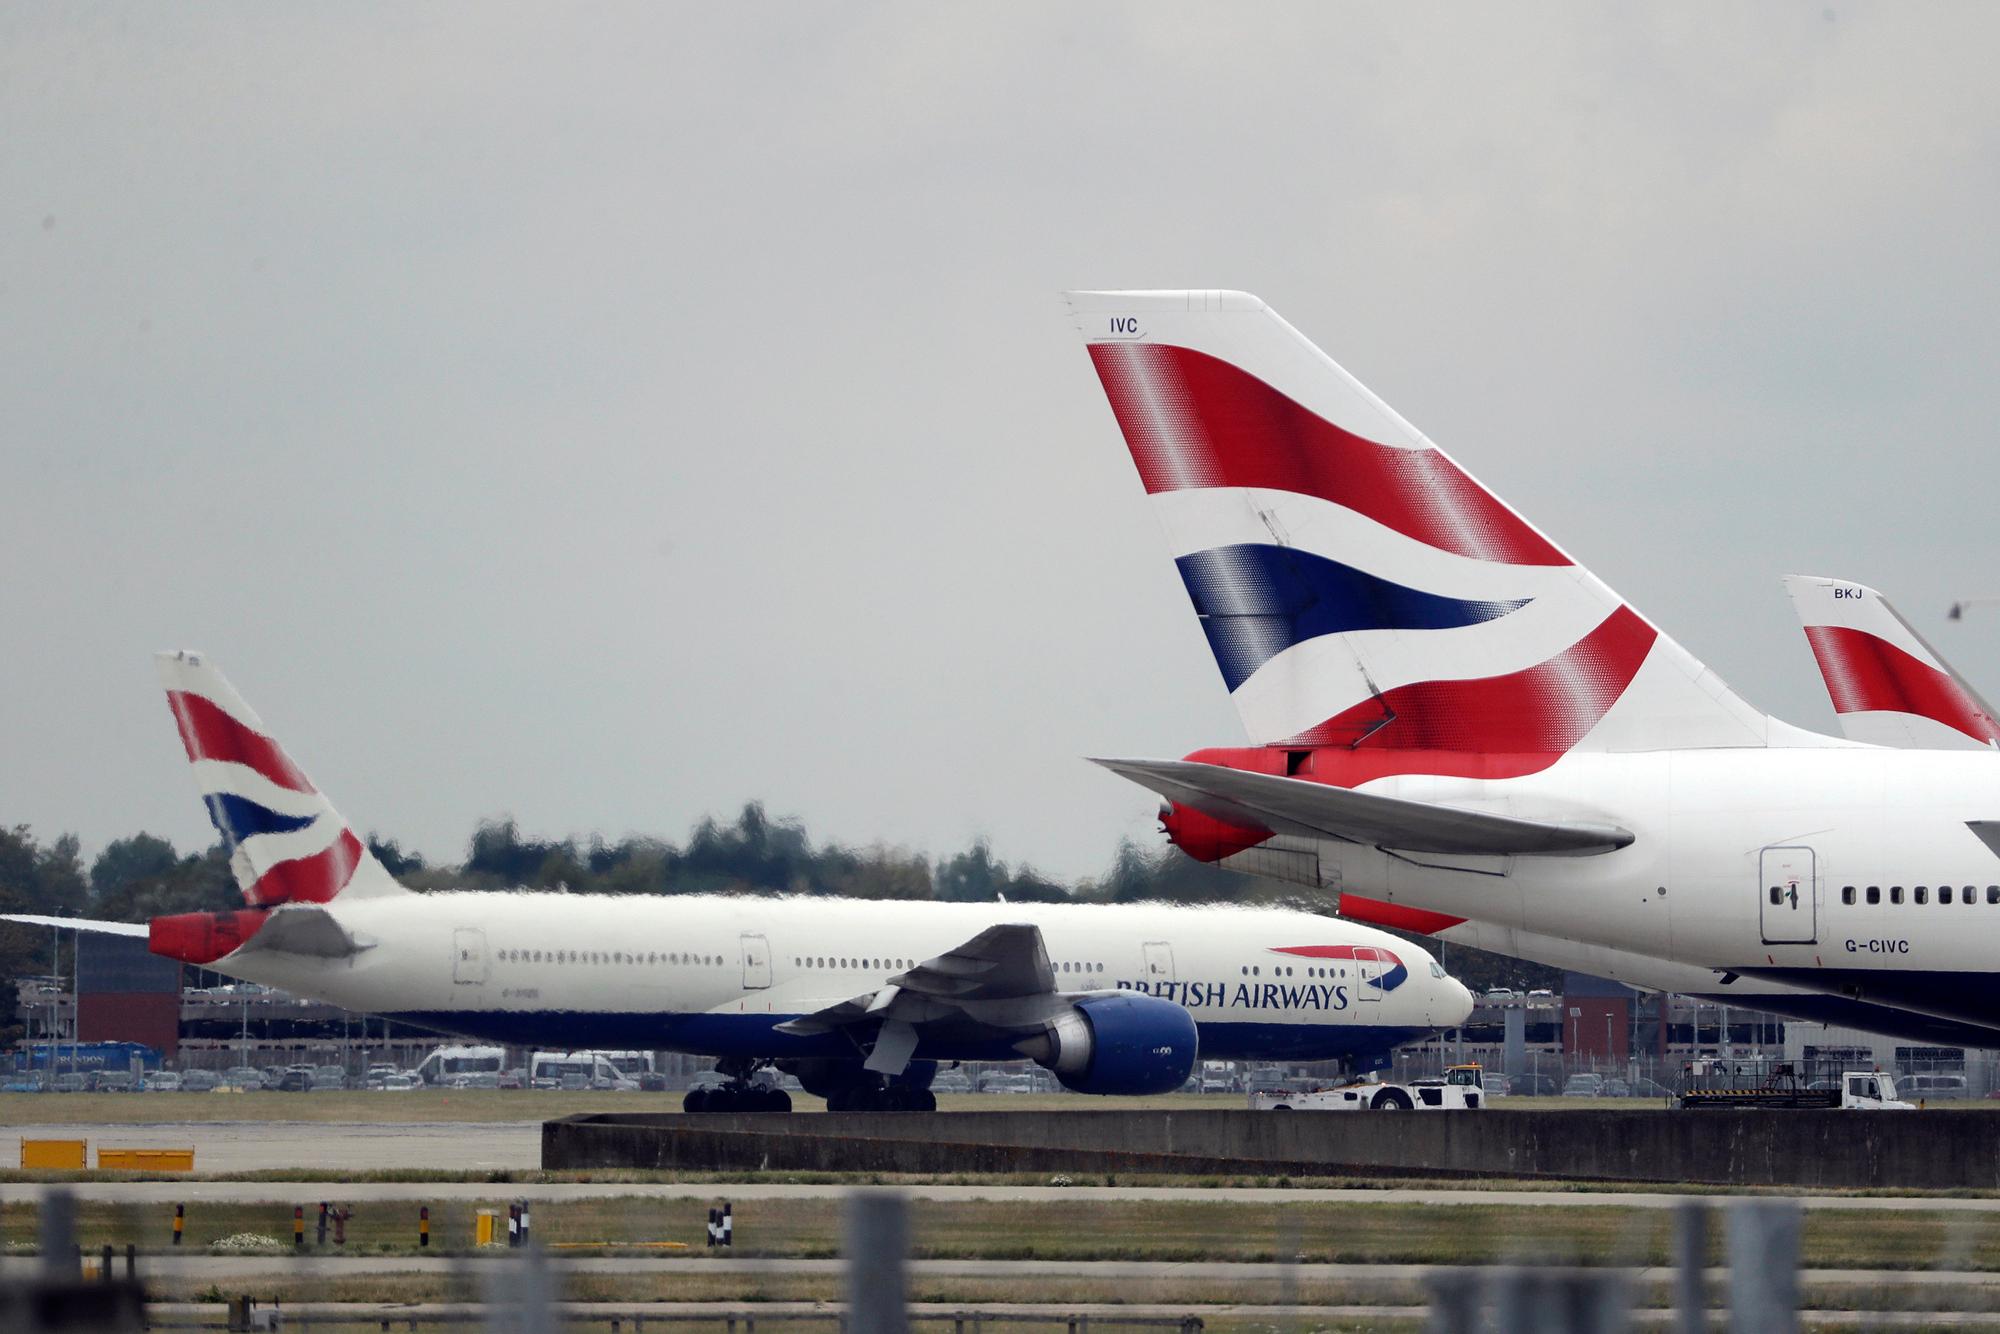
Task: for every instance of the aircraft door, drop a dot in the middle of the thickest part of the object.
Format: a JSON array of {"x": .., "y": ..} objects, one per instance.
[
  {"x": 756, "y": 962},
  {"x": 1369, "y": 968},
  {"x": 1788, "y": 896},
  {"x": 468, "y": 955},
  {"x": 1159, "y": 962}
]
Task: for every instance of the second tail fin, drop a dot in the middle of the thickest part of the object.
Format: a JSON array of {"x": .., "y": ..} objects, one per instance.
[
  {"x": 286, "y": 841},
  {"x": 1358, "y": 588},
  {"x": 1888, "y": 685}
]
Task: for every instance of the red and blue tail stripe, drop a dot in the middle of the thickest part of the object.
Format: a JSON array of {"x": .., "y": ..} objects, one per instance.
[
  {"x": 1257, "y": 601},
  {"x": 209, "y": 733},
  {"x": 1865, "y": 673},
  {"x": 1195, "y": 421}
]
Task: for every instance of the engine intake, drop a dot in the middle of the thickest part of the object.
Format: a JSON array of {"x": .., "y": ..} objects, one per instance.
[{"x": 1123, "y": 1044}]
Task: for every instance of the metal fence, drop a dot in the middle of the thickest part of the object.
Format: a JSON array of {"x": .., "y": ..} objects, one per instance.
[{"x": 1759, "y": 1284}]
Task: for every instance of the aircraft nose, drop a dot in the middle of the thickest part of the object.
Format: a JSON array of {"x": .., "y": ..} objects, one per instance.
[{"x": 1458, "y": 1001}]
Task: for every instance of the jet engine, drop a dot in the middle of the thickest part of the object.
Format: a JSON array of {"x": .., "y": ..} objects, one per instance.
[
  {"x": 1117, "y": 1044},
  {"x": 1203, "y": 837}
]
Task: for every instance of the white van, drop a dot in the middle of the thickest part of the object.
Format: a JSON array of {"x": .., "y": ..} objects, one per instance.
[
  {"x": 1932, "y": 1086},
  {"x": 462, "y": 1067},
  {"x": 601, "y": 1070}
]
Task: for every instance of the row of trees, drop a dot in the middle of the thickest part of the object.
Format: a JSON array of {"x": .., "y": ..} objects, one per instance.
[{"x": 144, "y": 876}]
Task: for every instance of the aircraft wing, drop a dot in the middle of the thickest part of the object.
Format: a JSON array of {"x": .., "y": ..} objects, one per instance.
[
  {"x": 79, "y": 924},
  {"x": 1000, "y": 979},
  {"x": 1316, "y": 810}
]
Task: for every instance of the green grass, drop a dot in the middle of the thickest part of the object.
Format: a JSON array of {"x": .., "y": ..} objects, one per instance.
[{"x": 1082, "y": 1228}]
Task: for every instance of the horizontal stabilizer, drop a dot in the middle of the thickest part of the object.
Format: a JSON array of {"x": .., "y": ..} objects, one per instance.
[
  {"x": 1315, "y": 810},
  {"x": 305, "y": 929},
  {"x": 79, "y": 924}
]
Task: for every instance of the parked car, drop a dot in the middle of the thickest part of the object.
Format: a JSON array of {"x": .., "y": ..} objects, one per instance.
[
  {"x": 1531, "y": 1086},
  {"x": 162, "y": 1081},
  {"x": 951, "y": 1081},
  {"x": 114, "y": 1081},
  {"x": 199, "y": 1081},
  {"x": 518, "y": 1079},
  {"x": 1615, "y": 1088},
  {"x": 298, "y": 1079},
  {"x": 1583, "y": 1084},
  {"x": 27, "y": 1081},
  {"x": 246, "y": 1077},
  {"x": 1501, "y": 996},
  {"x": 1496, "y": 1085},
  {"x": 329, "y": 1077},
  {"x": 398, "y": 1084}
]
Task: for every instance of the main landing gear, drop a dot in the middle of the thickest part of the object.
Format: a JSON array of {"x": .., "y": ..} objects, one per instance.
[{"x": 740, "y": 1094}]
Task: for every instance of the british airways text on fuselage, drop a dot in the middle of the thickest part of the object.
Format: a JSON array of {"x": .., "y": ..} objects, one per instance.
[{"x": 1194, "y": 995}]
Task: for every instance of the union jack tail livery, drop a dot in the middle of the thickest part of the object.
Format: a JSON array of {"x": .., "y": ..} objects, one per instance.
[
  {"x": 286, "y": 842},
  {"x": 1888, "y": 685},
  {"x": 1359, "y": 590}
]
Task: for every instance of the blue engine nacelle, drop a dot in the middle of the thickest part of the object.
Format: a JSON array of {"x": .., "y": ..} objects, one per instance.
[{"x": 1118, "y": 1044}]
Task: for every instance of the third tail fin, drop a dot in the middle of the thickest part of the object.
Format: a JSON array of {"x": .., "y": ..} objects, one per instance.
[{"x": 1888, "y": 685}]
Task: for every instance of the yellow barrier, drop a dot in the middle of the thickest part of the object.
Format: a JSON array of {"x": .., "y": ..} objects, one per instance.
[
  {"x": 54, "y": 1153},
  {"x": 483, "y": 1227},
  {"x": 145, "y": 1160}
]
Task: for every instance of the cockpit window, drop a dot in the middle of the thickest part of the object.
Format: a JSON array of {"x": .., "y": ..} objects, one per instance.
[{"x": 1437, "y": 969}]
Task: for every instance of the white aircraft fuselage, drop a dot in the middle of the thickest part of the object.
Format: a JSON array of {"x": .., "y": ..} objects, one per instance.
[
  {"x": 715, "y": 975},
  {"x": 1716, "y": 832}
]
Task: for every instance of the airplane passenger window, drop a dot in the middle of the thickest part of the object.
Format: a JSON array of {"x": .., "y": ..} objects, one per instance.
[
  {"x": 1993, "y": 893},
  {"x": 1944, "y": 893},
  {"x": 1847, "y": 895},
  {"x": 1895, "y": 893},
  {"x": 1874, "y": 893},
  {"x": 1922, "y": 895}
]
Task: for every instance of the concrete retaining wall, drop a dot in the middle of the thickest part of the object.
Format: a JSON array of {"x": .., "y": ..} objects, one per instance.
[{"x": 1913, "y": 1150}]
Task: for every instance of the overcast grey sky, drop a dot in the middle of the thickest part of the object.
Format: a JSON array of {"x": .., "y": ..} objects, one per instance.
[{"x": 607, "y": 416}]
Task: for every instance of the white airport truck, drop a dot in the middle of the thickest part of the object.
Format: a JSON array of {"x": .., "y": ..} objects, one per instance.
[
  {"x": 1460, "y": 1089},
  {"x": 1786, "y": 1090}
]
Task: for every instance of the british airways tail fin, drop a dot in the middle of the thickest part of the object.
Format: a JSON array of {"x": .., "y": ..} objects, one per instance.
[
  {"x": 287, "y": 844},
  {"x": 1358, "y": 588},
  {"x": 1889, "y": 687}
]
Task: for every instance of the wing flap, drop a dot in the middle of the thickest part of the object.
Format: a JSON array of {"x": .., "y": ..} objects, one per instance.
[
  {"x": 1001, "y": 979},
  {"x": 1316, "y": 810},
  {"x": 306, "y": 929}
]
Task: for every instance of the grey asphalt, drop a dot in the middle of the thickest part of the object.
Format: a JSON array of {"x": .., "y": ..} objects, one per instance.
[
  {"x": 255, "y": 1192},
  {"x": 329, "y": 1146}
]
